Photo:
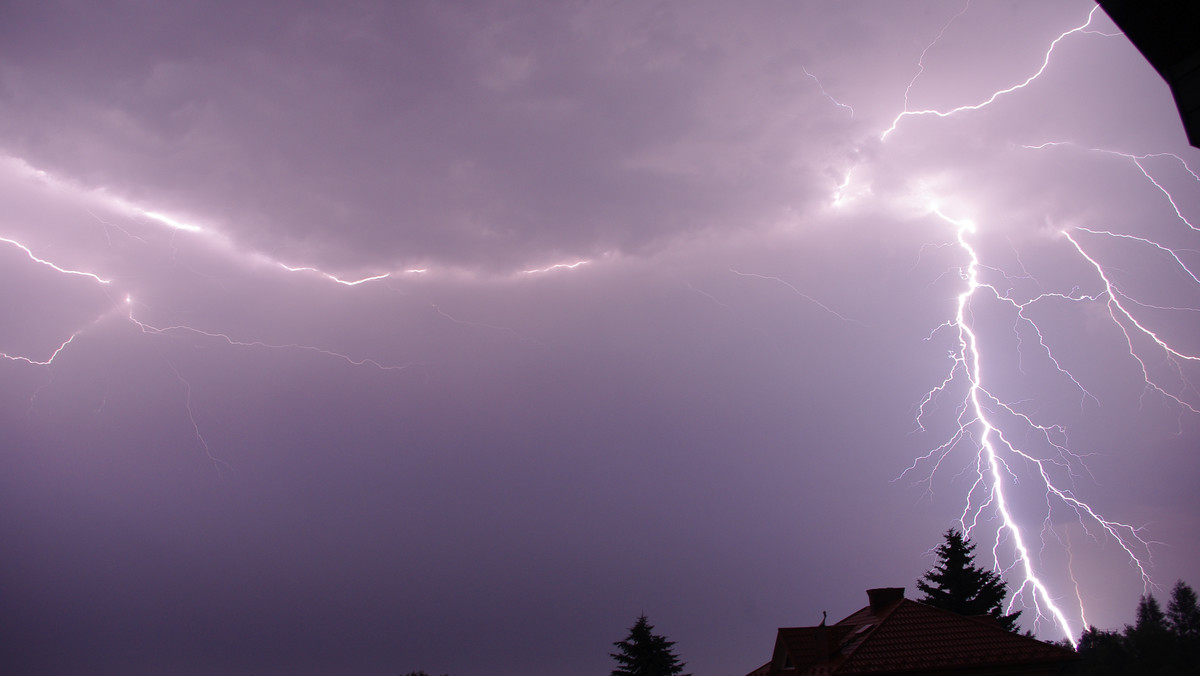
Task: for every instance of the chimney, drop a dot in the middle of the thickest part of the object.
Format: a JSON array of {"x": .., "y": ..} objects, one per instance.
[
  {"x": 826, "y": 643},
  {"x": 884, "y": 597}
]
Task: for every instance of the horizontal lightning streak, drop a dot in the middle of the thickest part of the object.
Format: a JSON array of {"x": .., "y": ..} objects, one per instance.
[
  {"x": 336, "y": 279},
  {"x": 173, "y": 223},
  {"x": 798, "y": 292},
  {"x": 366, "y": 361},
  {"x": 34, "y": 362},
  {"x": 557, "y": 266},
  {"x": 120, "y": 205},
  {"x": 57, "y": 268}
]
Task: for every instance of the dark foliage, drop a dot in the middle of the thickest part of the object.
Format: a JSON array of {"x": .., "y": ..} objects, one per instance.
[
  {"x": 1148, "y": 641},
  {"x": 1103, "y": 653},
  {"x": 1183, "y": 612},
  {"x": 645, "y": 653},
  {"x": 1183, "y": 619},
  {"x": 1157, "y": 644},
  {"x": 958, "y": 585}
]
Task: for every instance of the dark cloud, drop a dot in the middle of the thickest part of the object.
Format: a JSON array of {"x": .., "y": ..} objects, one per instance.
[{"x": 484, "y": 463}]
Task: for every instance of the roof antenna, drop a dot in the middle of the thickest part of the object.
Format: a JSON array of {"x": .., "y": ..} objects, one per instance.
[{"x": 822, "y": 619}]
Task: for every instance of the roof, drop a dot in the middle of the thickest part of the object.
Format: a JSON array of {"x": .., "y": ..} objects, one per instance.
[
  {"x": 898, "y": 635},
  {"x": 1164, "y": 31}
]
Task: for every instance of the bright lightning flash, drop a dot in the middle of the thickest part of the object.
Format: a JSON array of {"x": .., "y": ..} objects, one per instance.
[
  {"x": 1009, "y": 446},
  {"x": 1007, "y": 443},
  {"x": 981, "y": 422}
]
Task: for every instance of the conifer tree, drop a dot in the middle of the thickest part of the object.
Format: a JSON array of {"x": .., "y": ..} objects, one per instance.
[
  {"x": 1149, "y": 641},
  {"x": 1183, "y": 612},
  {"x": 645, "y": 653},
  {"x": 1157, "y": 644},
  {"x": 1103, "y": 653},
  {"x": 958, "y": 585},
  {"x": 1183, "y": 618}
]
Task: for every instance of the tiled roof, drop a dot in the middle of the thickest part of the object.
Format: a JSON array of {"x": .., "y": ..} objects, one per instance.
[
  {"x": 896, "y": 635},
  {"x": 912, "y": 636}
]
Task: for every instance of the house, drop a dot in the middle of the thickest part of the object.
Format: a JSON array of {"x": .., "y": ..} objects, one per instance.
[{"x": 895, "y": 635}]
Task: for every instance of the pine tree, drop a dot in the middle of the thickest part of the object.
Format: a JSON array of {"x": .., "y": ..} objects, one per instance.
[
  {"x": 1183, "y": 618},
  {"x": 644, "y": 653},
  {"x": 1103, "y": 653},
  {"x": 1183, "y": 612},
  {"x": 1157, "y": 644},
  {"x": 1149, "y": 640},
  {"x": 958, "y": 585}
]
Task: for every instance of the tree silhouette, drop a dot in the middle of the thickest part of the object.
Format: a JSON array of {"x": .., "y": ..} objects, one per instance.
[
  {"x": 958, "y": 585},
  {"x": 1157, "y": 644},
  {"x": 645, "y": 653},
  {"x": 1149, "y": 640},
  {"x": 1183, "y": 612},
  {"x": 1183, "y": 618},
  {"x": 1103, "y": 653}
]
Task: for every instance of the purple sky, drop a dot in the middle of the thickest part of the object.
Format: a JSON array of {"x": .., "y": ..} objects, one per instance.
[{"x": 477, "y": 462}]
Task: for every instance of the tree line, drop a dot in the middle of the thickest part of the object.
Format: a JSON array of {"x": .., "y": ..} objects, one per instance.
[{"x": 1158, "y": 643}]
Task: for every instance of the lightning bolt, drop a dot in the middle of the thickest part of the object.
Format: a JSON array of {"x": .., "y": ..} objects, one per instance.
[
  {"x": 827, "y": 95},
  {"x": 840, "y": 196},
  {"x": 46, "y": 362},
  {"x": 921, "y": 60},
  {"x": 794, "y": 290},
  {"x": 1117, "y": 303},
  {"x": 981, "y": 421},
  {"x": 228, "y": 340},
  {"x": 177, "y": 226},
  {"x": 334, "y": 278},
  {"x": 1139, "y": 162},
  {"x": 1123, "y": 307},
  {"x": 1009, "y": 446},
  {"x": 221, "y": 466},
  {"x": 126, "y": 311},
  {"x": 556, "y": 266},
  {"x": 52, "y": 266},
  {"x": 1082, "y": 28}
]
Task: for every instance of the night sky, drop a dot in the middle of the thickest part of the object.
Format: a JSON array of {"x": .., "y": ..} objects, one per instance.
[{"x": 369, "y": 337}]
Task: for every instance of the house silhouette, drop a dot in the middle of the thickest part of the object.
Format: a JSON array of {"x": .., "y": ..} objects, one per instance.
[{"x": 895, "y": 635}]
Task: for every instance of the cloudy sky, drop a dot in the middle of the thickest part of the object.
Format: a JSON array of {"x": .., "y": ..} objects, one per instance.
[{"x": 371, "y": 337}]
